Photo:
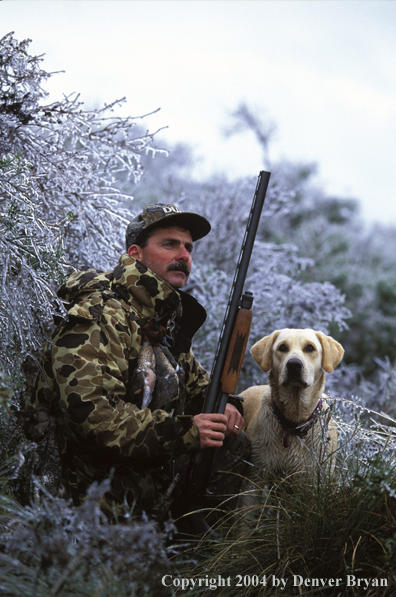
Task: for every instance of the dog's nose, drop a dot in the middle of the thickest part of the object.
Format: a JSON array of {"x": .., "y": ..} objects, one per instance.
[{"x": 294, "y": 367}]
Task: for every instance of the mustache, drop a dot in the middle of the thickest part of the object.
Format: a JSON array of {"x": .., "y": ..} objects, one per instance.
[{"x": 179, "y": 266}]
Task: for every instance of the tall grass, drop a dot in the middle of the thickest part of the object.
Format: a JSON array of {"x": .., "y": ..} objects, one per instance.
[{"x": 339, "y": 528}]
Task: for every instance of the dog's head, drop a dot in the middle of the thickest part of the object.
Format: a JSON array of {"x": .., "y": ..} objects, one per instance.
[{"x": 297, "y": 357}]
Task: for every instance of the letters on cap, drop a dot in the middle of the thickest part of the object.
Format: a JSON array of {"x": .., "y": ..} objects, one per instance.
[{"x": 168, "y": 209}]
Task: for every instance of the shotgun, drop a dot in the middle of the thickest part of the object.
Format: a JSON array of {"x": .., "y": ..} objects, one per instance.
[{"x": 228, "y": 359}]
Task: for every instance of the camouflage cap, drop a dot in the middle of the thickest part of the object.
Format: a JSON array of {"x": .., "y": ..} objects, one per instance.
[{"x": 157, "y": 213}]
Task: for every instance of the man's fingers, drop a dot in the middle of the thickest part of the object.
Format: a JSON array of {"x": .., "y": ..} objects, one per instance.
[
  {"x": 212, "y": 429},
  {"x": 235, "y": 421},
  {"x": 211, "y": 421}
]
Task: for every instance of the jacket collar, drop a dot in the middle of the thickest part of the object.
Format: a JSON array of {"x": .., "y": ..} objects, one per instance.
[
  {"x": 147, "y": 292},
  {"x": 141, "y": 288},
  {"x": 155, "y": 294}
]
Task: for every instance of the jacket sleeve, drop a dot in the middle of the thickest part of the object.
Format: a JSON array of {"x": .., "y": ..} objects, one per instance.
[
  {"x": 90, "y": 360},
  {"x": 196, "y": 380}
]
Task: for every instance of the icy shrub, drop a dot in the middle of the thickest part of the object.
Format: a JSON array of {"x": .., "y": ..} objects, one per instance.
[{"x": 55, "y": 549}]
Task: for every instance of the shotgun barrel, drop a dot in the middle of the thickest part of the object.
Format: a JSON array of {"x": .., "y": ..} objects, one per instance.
[{"x": 229, "y": 354}]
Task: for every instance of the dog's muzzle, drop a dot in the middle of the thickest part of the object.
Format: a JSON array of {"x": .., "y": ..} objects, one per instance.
[{"x": 294, "y": 368}]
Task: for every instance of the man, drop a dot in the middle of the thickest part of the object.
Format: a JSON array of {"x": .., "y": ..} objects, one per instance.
[{"x": 120, "y": 375}]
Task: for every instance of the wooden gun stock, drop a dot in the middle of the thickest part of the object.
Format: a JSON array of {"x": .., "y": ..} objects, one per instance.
[{"x": 236, "y": 350}]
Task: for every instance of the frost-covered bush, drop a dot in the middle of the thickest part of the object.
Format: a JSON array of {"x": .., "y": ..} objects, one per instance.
[
  {"x": 62, "y": 203},
  {"x": 55, "y": 549},
  {"x": 5, "y": 391},
  {"x": 31, "y": 259},
  {"x": 379, "y": 392},
  {"x": 80, "y": 159}
]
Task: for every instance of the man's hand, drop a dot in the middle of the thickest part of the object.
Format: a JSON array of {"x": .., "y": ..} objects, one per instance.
[
  {"x": 212, "y": 429},
  {"x": 235, "y": 420}
]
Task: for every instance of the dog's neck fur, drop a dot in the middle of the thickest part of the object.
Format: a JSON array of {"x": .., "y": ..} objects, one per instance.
[{"x": 295, "y": 402}]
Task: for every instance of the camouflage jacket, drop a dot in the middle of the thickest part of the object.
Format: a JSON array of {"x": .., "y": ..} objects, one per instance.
[{"x": 87, "y": 370}]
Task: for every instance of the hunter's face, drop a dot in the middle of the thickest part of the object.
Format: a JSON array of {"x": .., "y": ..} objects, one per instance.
[{"x": 167, "y": 254}]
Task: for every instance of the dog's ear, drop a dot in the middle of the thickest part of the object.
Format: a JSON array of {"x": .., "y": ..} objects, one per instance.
[
  {"x": 332, "y": 352},
  {"x": 262, "y": 351}
]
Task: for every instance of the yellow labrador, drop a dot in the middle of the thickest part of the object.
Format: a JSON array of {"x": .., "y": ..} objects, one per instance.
[{"x": 284, "y": 420}]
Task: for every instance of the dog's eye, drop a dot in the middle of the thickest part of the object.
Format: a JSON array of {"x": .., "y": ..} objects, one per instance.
[
  {"x": 309, "y": 348},
  {"x": 282, "y": 348}
]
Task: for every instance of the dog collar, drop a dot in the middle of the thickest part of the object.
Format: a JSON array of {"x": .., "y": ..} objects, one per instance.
[{"x": 290, "y": 427}]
